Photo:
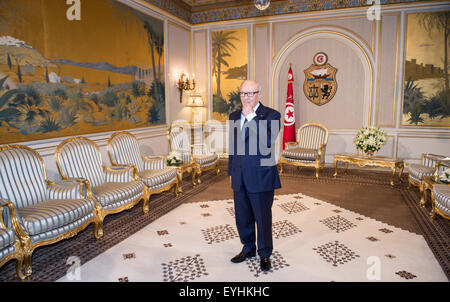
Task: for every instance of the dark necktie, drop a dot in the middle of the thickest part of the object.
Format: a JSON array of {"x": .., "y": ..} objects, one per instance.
[{"x": 244, "y": 130}]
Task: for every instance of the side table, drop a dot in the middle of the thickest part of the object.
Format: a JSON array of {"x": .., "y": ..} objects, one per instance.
[{"x": 190, "y": 168}]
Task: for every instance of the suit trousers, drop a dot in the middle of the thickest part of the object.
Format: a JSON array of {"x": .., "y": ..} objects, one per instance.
[{"x": 251, "y": 208}]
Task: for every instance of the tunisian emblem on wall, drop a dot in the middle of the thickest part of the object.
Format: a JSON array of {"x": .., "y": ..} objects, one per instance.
[{"x": 320, "y": 80}]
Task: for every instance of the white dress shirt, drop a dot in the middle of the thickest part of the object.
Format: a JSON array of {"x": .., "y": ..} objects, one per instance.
[{"x": 250, "y": 116}]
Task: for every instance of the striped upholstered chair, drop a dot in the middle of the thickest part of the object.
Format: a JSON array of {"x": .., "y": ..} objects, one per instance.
[
  {"x": 440, "y": 195},
  {"x": 10, "y": 247},
  {"x": 114, "y": 188},
  {"x": 426, "y": 167},
  {"x": 123, "y": 149},
  {"x": 200, "y": 155},
  {"x": 309, "y": 149},
  {"x": 41, "y": 212}
]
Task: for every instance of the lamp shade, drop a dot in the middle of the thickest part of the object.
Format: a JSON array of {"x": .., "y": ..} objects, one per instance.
[{"x": 195, "y": 101}]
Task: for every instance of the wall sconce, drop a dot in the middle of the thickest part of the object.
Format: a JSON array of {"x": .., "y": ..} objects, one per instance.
[{"x": 185, "y": 84}]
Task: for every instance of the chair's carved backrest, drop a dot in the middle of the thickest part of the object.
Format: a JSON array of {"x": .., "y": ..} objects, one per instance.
[
  {"x": 80, "y": 157},
  {"x": 180, "y": 139},
  {"x": 22, "y": 176},
  {"x": 123, "y": 149},
  {"x": 312, "y": 136},
  {"x": 180, "y": 136},
  {"x": 430, "y": 160}
]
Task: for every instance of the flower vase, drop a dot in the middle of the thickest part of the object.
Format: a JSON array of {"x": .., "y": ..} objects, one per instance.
[{"x": 369, "y": 154}]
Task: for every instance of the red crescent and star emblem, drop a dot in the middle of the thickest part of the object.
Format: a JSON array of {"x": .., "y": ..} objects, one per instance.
[{"x": 289, "y": 115}]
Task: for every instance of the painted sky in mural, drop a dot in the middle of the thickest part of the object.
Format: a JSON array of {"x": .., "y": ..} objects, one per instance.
[{"x": 61, "y": 77}]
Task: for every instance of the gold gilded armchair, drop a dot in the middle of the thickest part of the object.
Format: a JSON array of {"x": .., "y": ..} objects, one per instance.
[
  {"x": 123, "y": 149},
  {"x": 198, "y": 153},
  {"x": 426, "y": 167},
  {"x": 115, "y": 189},
  {"x": 309, "y": 149},
  {"x": 40, "y": 211}
]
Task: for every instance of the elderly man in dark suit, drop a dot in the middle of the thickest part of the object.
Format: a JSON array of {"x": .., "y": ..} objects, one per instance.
[{"x": 253, "y": 171}]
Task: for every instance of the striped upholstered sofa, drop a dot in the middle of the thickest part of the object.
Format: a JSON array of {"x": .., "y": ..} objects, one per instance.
[
  {"x": 10, "y": 247},
  {"x": 309, "y": 149},
  {"x": 123, "y": 149},
  {"x": 426, "y": 167},
  {"x": 41, "y": 212},
  {"x": 114, "y": 188},
  {"x": 200, "y": 155}
]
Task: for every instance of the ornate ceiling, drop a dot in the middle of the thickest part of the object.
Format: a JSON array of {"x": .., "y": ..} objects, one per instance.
[{"x": 203, "y": 11}]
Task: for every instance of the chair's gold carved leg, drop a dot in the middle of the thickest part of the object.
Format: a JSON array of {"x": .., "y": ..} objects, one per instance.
[
  {"x": 145, "y": 203},
  {"x": 335, "y": 168},
  {"x": 27, "y": 263},
  {"x": 432, "y": 213},
  {"x": 422, "y": 194},
  {"x": 281, "y": 168},
  {"x": 19, "y": 268}
]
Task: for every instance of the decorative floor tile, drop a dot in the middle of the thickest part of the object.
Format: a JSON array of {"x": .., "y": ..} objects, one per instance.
[
  {"x": 338, "y": 223},
  {"x": 219, "y": 233},
  {"x": 335, "y": 253},
  {"x": 129, "y": 256},
  {"x": 373, "y": 239},
  {"x": 384, "y": 230},
  {"x": 184, "y": 269},
  {"x": 277, "y": 261},
  {"x": 406, "y": 275},
  {"x": 284, "y": 229},
  {"x": 293, "y": 207},
  {"x": 231, "y": 211}
]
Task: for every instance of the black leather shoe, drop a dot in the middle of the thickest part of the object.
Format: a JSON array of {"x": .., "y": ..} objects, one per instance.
[
  {"x": 265, "y": 264},
  {"x": 242, "y": 256}
]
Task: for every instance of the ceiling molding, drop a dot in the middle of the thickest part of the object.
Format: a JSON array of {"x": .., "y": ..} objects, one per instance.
[{"x": 206, "y": 11}]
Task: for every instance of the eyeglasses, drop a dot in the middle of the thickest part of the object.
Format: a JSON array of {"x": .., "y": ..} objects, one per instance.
[{"x": 250, "y": 94}]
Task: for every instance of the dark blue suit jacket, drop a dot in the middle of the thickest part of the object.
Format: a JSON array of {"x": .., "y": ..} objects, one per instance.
[{"x": 247, "y": 169}]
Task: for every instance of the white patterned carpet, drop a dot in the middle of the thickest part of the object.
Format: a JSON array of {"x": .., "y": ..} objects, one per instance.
[{"x": 313, "y": 241}]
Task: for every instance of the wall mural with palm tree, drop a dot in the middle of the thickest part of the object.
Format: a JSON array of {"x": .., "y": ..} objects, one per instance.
[
  {"x": 426, "y": 94},
  {"x": 229, "y": 61},
  {"x": 59, "y": 77}
]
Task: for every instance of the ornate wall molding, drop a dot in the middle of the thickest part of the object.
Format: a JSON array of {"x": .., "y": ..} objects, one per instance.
[{"x": 223, "y": 11}]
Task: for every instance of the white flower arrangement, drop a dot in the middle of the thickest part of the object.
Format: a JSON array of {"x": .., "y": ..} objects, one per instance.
[
  {"x": 444, "y": 177},
  {"x": 173, "y": 159},
  {"x": 370, "y": 139}
]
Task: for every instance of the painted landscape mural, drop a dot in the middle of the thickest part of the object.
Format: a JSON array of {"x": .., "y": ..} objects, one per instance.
[
  {"x": 426, "y": 97},
  {"x": 229, "y": 61},
  {"x": 62, "y": 77}
]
